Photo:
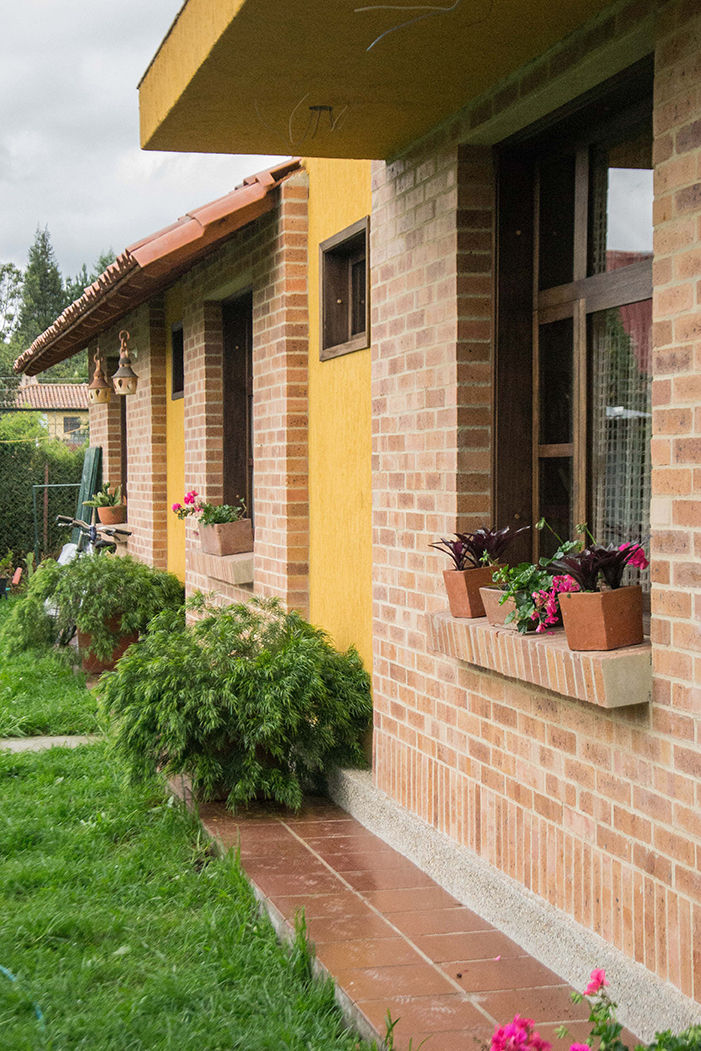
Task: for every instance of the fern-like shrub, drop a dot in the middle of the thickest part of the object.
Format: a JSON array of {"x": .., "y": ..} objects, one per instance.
[
  {"x": 249, "y": 701},
  {"x": 104, "y": 596}
]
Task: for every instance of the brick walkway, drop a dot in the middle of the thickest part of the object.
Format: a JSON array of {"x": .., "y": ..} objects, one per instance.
[{"x": 392, "y": 938}]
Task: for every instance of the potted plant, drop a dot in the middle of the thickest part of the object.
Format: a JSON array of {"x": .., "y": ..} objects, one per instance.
[
  {"x": 109, "y": 602},
  {"x": 224, "y": 528},
  {"x": 602, "y": 614},
  {"x": 108, "y": 504},
  {"x": 526, "y": 596},
  {"x": 475, "y": 557}
]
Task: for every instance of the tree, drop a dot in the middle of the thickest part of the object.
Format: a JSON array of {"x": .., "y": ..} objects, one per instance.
[
  {"x": 10, "y": 297},
  {"x": 75, "y": 286},
  {"x": 42, "y": 291}
]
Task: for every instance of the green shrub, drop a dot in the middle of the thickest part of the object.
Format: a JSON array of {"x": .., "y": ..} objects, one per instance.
[
  {"x": 102, "y": 595},
  {"x": 248, "y": 700}
]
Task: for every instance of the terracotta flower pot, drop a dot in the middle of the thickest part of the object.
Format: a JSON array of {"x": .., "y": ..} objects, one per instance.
[
  {"x": 114, "y": 515},
  {"x": 463, "y": 587},
  {"x": 228, "y": 538},
  {"x": 603, "y": 620},
  {"x": 92, "y": 665},
  {"x": 495, "y": 612}
]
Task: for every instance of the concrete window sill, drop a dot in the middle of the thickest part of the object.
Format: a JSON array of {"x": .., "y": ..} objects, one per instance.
[
  {"x": 612, "y": 679},
  {"x": 231, "y": 569}
]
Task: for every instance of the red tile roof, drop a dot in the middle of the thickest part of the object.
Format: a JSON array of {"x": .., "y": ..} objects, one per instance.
[
  {"x": 52, "y": 396},
  {"x": 151, "y": 265}
]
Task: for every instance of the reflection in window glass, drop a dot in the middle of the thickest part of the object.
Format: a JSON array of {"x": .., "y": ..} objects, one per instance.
[
  {"x": 555, "y": 501},
  {"x": 621, "y": 204},
  {"x": 555, "y": 366},
  {"x": 621, "y": 419}
]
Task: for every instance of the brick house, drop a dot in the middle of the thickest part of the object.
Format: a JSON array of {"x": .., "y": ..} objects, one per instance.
[
  {"x": 63, "y": 407},
  {"x": 534, "y": 330}
]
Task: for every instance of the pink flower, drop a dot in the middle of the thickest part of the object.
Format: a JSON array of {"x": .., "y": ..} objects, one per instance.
[
  {"x": 518, "y": 1035},
  {"x": 190, "y": 497},
  {"x": 638, "y": 558},
  {"x": 598, "y": 981},
  {"x": 177, "y": 507},
  {"x": 580, "y": 1047}
]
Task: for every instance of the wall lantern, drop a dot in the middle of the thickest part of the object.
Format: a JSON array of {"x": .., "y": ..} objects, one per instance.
[
  {"x": 99, "y": 389},
  {"x": 125, "y": 379}
]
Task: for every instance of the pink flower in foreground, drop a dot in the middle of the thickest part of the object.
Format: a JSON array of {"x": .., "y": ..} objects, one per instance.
[
  {"x": 580, "y": 1047},
  {"x": 190, "y": 497},
  {"x": 638, "y": 558},
  {"x": 176, "y": 507},
  {"x": 518, "y": 1035},
  {"x": 597, "y": 982}
]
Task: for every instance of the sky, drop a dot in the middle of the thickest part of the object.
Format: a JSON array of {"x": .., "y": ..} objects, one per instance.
[{"x": 69, "y": 131}]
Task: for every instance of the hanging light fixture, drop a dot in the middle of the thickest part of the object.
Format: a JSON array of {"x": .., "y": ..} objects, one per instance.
[
  {"x": 99, "y": 389},
  {"x": 125, "y": 379}
]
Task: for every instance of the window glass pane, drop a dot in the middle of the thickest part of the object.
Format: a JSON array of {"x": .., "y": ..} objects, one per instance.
[
  {"x": 556, "y": 227},
  {"x": 621, "y": 419},
  {"x": 620, "y": 203},
  {"x": 358, "y": 285},
  {"x": 555, "y": 367},
  {"x": 555, "y": 501}
]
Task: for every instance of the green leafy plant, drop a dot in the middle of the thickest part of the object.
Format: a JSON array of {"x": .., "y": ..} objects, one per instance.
[
  {"x": 7, "y": 565},
  {"x": 105, "y": 497},
  {"x": 100, "y": 595},
  {"x": 208, "y": 514},
  {"x": 520, "y": 1035},
  {"x": 250, "y": 701},
  {"x": 483, "y": 547}
]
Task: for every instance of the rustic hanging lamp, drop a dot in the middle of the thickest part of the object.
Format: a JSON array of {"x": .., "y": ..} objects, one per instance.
[
  {"x": 125, "y": 379},
  {"x": 99, "y": 389}
]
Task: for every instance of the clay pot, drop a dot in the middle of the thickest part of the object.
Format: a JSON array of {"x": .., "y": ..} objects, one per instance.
[
  {"x": 114, "y": 515},
  {"x": 228, "y": 538},
  {"x": 496, "y": 613},
  {"x": 463, "y": 587},
  {"x": 603, "y": 620},
  {"x": 92, "y": 665}
]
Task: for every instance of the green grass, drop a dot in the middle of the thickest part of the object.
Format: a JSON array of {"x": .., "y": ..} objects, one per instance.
[
  {"x": 125, "y": 933},
  {"x": 40, "y": 694}
]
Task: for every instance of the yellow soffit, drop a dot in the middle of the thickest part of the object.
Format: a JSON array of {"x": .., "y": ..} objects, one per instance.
[{"x": 335, "y": 78}]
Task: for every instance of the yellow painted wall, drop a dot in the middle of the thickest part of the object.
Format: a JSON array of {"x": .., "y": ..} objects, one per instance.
[
  {"x": 175, "y": 445},
  {"x": 340, "y": 537}
]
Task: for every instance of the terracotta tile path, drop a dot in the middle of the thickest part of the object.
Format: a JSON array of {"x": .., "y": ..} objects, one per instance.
[{"x": 392, "y": 938}]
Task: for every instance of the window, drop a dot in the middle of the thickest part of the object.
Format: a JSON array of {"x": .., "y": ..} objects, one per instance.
[
  {"x": 575, "y": 309},
  {"x": 237, "y": 380},
  {"x": 343, "y": 266},
  {"x": 177, "y": 343},
  {"x": 70, "y": 424}
]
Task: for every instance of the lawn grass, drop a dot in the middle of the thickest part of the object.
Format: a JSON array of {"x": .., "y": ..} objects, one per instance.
[
  {"x": 40, "y": 694},
  {"x": 124, "y": 933}
]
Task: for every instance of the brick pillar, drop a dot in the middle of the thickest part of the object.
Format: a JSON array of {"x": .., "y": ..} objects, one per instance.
[
  {"x": 676, "y": 444},
  {"x": 204, "y": 432},
  {"x": 280, "y": 454}
]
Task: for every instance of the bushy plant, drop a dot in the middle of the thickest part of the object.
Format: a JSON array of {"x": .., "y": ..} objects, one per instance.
[
  {"x": 101, "y": 595},
  {"x": 483, "y": 547},
  {"x": 249, "y": 700},
  {"x": 208, "y": 514}
]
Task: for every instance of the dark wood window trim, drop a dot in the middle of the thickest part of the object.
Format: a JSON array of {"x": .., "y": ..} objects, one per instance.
[
  {"x": 344, "y": 291},
  {"x": 177, "y": 350},
  {"x": 523, "y": 308}
]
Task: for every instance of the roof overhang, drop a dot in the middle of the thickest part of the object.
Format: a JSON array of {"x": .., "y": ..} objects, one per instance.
[
  {"x": 258, "y": 76},
  {"x": 151, "y": 265}
]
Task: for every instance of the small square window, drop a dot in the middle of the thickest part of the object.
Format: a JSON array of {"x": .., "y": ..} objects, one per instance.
[
  {"x": 70, "y": 424},
  {"x": 345, "y": 316},
  {"x": 178, "y": 368}
]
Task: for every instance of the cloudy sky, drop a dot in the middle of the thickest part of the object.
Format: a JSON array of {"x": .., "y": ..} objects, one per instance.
[{"x": 69, "y": 141}]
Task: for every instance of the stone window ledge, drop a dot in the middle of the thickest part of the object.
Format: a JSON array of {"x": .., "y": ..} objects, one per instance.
[
  {"x": 231, "y": 569},
  {"x": 612, "y": 679}
]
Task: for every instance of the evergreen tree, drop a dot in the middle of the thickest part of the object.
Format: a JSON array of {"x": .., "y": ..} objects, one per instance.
[
  {"x": 75, "y": 286},
  {"x": 42, "y": 291},
  {"x": 10, "y": 296}
]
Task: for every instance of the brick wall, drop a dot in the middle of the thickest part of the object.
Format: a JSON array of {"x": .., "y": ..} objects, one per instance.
[{"x": 595, "y": 811}]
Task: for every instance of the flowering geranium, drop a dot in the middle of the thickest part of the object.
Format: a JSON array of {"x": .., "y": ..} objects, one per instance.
[
  {"x": 606, "y": 1030},
  {"x": 547, "y": 605},
  {"x": 208, "y": 514},
  {"x": 518, "y": 1035}
]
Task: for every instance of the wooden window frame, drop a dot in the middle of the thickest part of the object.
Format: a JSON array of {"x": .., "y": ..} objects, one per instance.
[
  {"x": 523, "y": 307},
  {"x": 337, "y": 255}
]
